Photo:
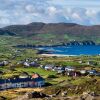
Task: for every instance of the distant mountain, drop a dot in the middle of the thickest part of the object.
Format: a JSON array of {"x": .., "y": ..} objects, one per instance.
[
  {"x": 6, "y": 32},
  {"x": 25, "y": 30},
  {"x": 58, "y": 30}
]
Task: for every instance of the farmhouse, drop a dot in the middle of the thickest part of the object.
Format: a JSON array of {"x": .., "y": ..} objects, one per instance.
[{"x": 22, "y": 82}]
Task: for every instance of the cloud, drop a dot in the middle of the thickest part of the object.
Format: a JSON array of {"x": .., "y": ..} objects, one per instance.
[{"x": 86, "y": 12}]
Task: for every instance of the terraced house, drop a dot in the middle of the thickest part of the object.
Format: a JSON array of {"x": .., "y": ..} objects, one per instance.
[{"x": 22, "y": 82}]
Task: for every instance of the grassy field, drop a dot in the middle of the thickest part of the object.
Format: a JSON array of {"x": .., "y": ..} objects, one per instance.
[{"x": 31, "y": 70}]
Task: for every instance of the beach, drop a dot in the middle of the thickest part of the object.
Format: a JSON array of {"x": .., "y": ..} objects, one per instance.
[{"x": 57, "y": 55}]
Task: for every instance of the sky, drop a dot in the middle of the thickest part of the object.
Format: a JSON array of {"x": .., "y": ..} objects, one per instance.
[{"x": 84, "y": 12}]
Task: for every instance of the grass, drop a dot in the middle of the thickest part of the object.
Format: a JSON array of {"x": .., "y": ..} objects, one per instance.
[
  {"x": 46, "y": 36},
  {"x": 55, "y": 81},
  {"x": 42, "y": 72},
  {"x": 11, "y": 40},
  {"x": 81, "y": 80}
]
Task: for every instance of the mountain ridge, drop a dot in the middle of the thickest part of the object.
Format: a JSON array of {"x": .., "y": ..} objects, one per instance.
[{"x": 57, "y": 29}]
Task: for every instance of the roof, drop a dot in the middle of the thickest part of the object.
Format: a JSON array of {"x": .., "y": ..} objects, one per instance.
[
  {"x": 69, "y": 68},
  {"x": 38, "y": 79},
  {"x": 14, "y": 80},
  {"x": 92, "y": 71},
  {"x": 18, "y": 80},
  {"x": 49, "y": 65},
  {"x": 35, "y": 75},
  {"x": 61, "y": 68}
]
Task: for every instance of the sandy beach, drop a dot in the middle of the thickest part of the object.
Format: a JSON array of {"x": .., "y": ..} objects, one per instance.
[{"x": 57, "y": 55}]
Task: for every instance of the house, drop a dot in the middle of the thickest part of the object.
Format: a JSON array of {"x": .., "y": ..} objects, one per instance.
[
  {"x": 48, "y": 67},
  {"x": 97, "y": 74},
  {"x": 71, "y": 71},
  {"x": 26, "y": 64},
  {"x": 69, "y": 68},
  {"x": 60, "y": 69},
  {"x": 22, "y": 82},
  {"x": 92, "y": 72},
  {"x": 4, "y": 63},
  {"x": 55, "y": 68},
  {"x": 83, "y": 72},
  {"x": 1, "y": 64},
  {"x": 34, "y": 64},
  {"x": 91, "y": 63}
]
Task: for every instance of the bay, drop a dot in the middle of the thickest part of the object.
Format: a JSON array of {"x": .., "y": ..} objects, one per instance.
[{"x": 74, "y": 50}]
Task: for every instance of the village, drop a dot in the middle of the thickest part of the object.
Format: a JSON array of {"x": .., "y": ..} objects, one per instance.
[{"x": 25, "y": 79}]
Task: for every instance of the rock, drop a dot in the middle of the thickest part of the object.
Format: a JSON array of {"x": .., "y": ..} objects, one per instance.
[
  {"x": 32, "y": 95},
  {"x": 87, "y": 96},
  {"x": 2, "y": 98},
  {"x": 53, "y": 95},
  {"x": 64, "y": 93}
]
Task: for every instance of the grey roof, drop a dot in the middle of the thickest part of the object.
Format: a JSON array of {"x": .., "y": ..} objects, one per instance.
[{"x": 18, "y": 80}]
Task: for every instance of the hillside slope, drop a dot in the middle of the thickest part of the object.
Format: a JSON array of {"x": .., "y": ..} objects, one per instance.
[
  {"x": 6, "y": 32},
  {"x": 63, "y": 31}
]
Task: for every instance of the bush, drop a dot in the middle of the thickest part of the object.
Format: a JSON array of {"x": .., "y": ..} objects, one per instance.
[{"x": 52, "y": 76}]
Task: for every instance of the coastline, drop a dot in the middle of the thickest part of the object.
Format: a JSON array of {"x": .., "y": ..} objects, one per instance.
[{"x": 57, "y": 55}]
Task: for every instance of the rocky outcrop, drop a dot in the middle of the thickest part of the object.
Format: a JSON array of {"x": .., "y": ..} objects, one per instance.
[
  {"x": 63, "y": 96},
  {"x": 31, "y": 95}
]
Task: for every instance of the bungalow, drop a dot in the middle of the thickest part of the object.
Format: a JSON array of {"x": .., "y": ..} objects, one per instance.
[{"x": 22, "y": 82}]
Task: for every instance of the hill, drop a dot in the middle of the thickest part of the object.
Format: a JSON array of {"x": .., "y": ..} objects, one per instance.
[
  {"x": 56, "y": 31},
  {"x": 6, "y": 32}
]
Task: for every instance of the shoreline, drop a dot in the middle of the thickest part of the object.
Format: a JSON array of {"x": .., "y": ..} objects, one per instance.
[{"x": 58, "y": 55}]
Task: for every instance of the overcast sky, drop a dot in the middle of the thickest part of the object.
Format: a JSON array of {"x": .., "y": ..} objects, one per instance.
[{"x": 85, "y": 12}]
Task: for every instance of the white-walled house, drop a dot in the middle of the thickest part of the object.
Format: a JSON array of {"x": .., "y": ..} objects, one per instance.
[
  {"x": 49, "y": 67},
  {"x": 69, "y": 68},
  {"x": 26, "y": 64}
]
